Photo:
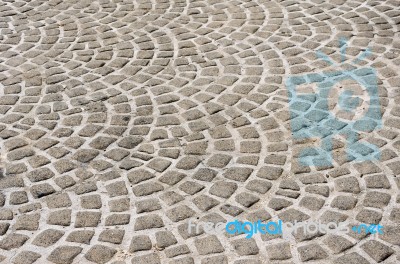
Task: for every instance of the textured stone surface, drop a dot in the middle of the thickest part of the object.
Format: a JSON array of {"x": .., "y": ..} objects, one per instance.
[
  {"x": 28, "y": 257},
  {"x": 120, "y": 121},
  {"x": 279, "y": 251},
  {"x": 208, "y": 245},
  {"x": 64, "y": 254},
  {"x": 376, "y": 250},
  {"x": 100, "y": 254}
]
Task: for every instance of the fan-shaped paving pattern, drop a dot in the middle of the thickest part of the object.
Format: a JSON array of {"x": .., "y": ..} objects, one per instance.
[{"x": 122, "y": 120}]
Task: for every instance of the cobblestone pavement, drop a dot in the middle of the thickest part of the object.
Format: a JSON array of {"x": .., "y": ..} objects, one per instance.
[{"x": 121, "y": 120}]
